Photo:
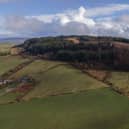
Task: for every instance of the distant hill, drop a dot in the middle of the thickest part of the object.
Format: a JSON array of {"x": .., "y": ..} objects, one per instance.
[{"x": 12, "y": 40}]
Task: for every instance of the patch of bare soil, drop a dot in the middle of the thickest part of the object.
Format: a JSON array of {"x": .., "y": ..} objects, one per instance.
[
  {"x": 121, "y": 51},
  {"x": 74, "y": 40},
  {"x": 121, "y": 45},
  {"x": 98, "y": 74},
  {"x": 23, "y": 88}
]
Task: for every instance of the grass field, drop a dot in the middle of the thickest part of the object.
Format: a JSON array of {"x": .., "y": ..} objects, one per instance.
[
  {"x": 5, "y": 47},
  {"x": 9, "y": 62},
  {"x": 63, "y": 98},
  {"x": 7, "y": 98},
  {"x": 53, "y": 78},
  {"x": 94, "y": 109},
  {"x": 120, "y": 80}
]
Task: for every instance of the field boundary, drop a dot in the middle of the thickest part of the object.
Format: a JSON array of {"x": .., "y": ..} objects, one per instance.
[
  {"x": 16, "y": 69},
  {"x": 105, "y": 81}
]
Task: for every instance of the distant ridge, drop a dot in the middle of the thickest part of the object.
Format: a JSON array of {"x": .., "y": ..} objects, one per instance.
[{"x": 15, "y": 40}]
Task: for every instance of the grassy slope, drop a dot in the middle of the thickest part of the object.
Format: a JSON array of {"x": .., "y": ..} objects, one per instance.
[
  {"x": 95, "y": 109},
  {"x": 9, "y": 62},
  {"x": 120, "y": 80},
  {"x": 5, "y": 47},
  {"x": 56, "y": 78},
  {"x": 100, "y": 108},
  {"x": 7, "y": 98}
]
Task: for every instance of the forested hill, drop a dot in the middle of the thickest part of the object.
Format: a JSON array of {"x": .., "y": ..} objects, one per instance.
[{"x": 109, "y": 51}]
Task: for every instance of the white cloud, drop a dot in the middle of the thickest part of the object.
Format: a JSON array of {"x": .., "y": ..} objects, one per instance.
[
  {"x": 79, "y": 22},
  {"x": 22, "y": 24},
  {"x": 83, "y": 12},
  {"x": 108, "y": 10}
]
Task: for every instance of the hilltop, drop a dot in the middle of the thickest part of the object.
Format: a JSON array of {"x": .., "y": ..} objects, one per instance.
[{"x": 103, "y": 52}]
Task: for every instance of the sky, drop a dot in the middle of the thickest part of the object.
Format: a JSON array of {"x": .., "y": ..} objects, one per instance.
[{"x": 30, "y": 18}]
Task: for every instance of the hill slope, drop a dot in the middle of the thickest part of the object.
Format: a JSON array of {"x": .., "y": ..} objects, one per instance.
[
  {"x": 56, "y": 78},
  {"x": 9, "y": 62}
]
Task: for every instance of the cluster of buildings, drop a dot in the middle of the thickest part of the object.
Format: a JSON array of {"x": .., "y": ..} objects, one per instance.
[{"x": 5, "y": 82}]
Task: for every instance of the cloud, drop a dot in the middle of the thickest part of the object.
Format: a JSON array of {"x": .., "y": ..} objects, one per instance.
[
  {"x": 22, "y": 24},
  {"x": 95, "y": 21},
  {"x": 108, "y": 10},
  {"x": 89, "y": 12}
]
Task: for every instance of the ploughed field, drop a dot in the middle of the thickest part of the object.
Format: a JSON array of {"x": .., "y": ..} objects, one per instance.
[{"x": 54, "y": 95}]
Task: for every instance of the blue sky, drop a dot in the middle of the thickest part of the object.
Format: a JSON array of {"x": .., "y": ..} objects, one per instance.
[
  {"x": 35, "y": 7},
  {"x": 57, "y": 17}
]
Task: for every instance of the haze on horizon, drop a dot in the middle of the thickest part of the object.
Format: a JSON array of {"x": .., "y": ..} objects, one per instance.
[{"x": 26, "y": 18}]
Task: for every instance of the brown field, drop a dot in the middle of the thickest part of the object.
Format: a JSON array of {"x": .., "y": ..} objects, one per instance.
[{"x": 74, "y": 40}]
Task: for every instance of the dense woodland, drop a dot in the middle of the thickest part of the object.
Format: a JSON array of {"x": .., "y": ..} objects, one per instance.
[{"x": 92, "y": 50}]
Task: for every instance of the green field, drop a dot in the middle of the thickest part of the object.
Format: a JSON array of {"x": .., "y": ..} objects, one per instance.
[
  {"x": 63, "y": 98},
  {"x": 120, "y": 80},
  {"x": 9, "y": 62},
  {"x": 7, "y": 98},
  {"x": 53, "y": 78},
  {"x": 94, "y": 109}
]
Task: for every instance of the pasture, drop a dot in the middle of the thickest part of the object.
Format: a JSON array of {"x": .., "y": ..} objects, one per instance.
[
  {"x": 94, "y": 109},
  {"x": 5, "y": 48},
  {"x": 10, "y": 62},
  {"x": 63, "y": 98},
  {"x": 120, "y": 80},
  {"x": 55, "y": 78}
]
